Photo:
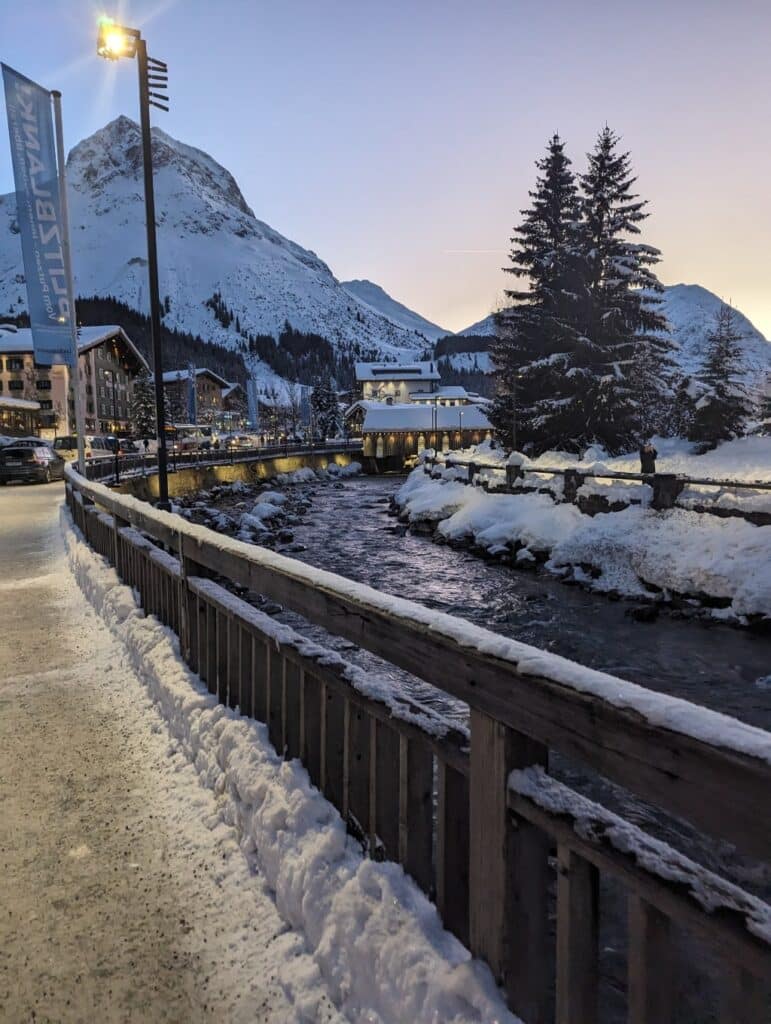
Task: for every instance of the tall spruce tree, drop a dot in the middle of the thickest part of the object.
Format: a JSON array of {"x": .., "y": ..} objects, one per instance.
[
  {"x": 722, "y": 409},
  {"x": 325, "y": 407},
  {"x": 536, "y": 334},
  {"x": 142, "y": 405},
  {"x": 625, "y": 364}
]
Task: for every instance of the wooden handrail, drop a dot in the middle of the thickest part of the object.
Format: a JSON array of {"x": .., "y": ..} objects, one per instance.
[
  {"x": 469, "y": 814},
  {"x": 603, "y": 721}
]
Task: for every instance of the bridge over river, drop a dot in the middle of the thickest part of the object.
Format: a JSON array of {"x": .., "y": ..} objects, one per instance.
[{"x": 485, "y": 810}]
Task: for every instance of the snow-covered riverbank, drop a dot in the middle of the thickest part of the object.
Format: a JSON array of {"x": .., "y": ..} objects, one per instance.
[{"x": 722, "y": 566}]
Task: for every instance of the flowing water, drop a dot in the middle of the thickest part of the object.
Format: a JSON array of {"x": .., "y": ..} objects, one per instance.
[{"x": 349, "y": 530}]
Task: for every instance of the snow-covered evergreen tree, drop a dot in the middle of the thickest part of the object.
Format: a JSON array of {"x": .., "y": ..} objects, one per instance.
[
  {"x": 142, "y": 405},
  {"x": 625, "y": 365},
  {"x": 536, "y": 334},
  {"x": 325, "y": 408},
  {"x": 724, "y": 406}
]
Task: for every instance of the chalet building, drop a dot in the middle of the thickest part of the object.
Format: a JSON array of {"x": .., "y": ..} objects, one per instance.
[
  {"x": 235, "y": 407},
  {"x": 396, "y": 382},
  {"x": 209, "y": 388},
  {"x": 404, "y": 409},
  {"x": 108, "y": 362}
]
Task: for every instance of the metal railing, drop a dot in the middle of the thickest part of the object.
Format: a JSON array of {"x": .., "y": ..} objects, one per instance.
[
  {"x": 103, "y": 468},
  {"x": 473, "y": 815}
]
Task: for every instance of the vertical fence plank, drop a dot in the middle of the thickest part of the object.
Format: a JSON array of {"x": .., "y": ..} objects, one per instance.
[
  {"x": 234, "y": 662},
  {"x": 310, "y": 740},
  {"x": 508, "y": 871},
  {"x": 245, "y": 671},
  {"x": 386, "y": 788},
  {"x": 260, "y": 676},
  {"x": 651, "y": 968},
  {"x": 356, "y": 790},
  {"x": 290, "y": 709},
  {"x": 203, "y": 639},
  {"x": 416, "y": 786},
  {"x": 276, "y": 700},
  {"x": 577, "y": 938},
  {"x": 211, "y": 647},
  {"x": 333, "y": 743},
  {"x": 452, "y": 850},
  {"x": 223, "y": 643}
]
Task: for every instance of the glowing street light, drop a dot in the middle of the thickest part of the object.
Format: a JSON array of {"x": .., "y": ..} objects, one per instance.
[{"x": 113, "y": 42}]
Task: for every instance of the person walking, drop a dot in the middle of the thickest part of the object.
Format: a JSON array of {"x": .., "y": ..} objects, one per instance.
[{"x": 648, "y": 458}]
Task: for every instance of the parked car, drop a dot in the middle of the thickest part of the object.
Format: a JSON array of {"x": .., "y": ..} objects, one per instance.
[
  {"x": 34, "y": 463},
  {"x": 128, "y": 447},
  {"x": 66, "y": 447}
]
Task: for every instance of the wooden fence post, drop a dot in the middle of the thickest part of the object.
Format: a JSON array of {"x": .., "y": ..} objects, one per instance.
[
  {"x": 508, "y": 870},
  {"x": 577, "y": 938},
  {"x": 651, "y": 969},
  {"x": 452, "y": 851}
]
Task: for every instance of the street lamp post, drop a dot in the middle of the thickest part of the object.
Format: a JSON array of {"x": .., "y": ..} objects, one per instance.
[
  {"x": 460, "y": 426},
  {"x": 115, "y": 41}
]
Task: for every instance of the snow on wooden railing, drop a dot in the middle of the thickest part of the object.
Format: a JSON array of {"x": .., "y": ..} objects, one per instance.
[
  {"x": 568, "y": 483},
  {"x": 470, "y": 814}
]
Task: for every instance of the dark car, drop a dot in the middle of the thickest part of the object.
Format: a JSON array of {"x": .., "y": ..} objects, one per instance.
[
  {"x": 127, "y": 447},
  {"x": 30, "y": 462}
]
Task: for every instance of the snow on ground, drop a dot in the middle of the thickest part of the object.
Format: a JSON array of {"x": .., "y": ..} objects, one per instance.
[
  {"x": 376, "y": 940},
  {"x": 746, "y": 458},
  {"x": 680, "y": 552}
]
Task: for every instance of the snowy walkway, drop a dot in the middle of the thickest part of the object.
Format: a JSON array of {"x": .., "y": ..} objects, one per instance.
[{"x": 124, "y": 896}]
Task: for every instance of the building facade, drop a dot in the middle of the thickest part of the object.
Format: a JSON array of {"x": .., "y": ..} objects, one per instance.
[
  {"x": 404, "y": 409},
  {"x": 108, "y": 362},
  {"x": 207, "y": 407}
]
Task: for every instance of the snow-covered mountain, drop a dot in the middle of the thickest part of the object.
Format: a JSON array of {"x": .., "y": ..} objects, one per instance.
[
  {"x": 375, "y": 298},
  {"x": 690, "y": 310},
  {"x": 209, "y": 241},
  {"x": 480, "y": 328}
]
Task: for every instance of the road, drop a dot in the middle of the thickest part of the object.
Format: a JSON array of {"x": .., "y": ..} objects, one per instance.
[{"x": 123, "y": 894}]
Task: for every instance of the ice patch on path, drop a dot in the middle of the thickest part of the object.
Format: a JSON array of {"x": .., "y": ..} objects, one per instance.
[{"x": 378, "y": 942}]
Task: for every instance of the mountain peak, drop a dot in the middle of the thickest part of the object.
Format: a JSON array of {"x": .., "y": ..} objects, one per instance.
[{"x": 115, "y": 151}]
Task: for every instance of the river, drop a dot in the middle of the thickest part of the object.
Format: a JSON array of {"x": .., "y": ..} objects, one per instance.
[{"x": 348, "y": 530}]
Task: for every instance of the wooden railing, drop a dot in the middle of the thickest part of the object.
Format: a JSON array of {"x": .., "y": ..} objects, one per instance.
[
  {"x": 472, "y": 814},
  {"x": 666, "y": 488}
]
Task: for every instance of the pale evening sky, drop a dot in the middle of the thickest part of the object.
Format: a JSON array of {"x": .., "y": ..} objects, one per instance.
[{"x": 397, "y": 139}]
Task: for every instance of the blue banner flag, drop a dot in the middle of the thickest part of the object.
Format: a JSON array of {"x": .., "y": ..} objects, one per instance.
[{"x": 38, "y": 213}]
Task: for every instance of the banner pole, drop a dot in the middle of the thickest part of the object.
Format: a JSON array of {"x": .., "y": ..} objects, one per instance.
[{"x": 66, "y": 253}]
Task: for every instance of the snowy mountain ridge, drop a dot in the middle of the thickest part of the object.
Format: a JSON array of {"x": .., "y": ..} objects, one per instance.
[
  {"x": 209, "y": 241},
  {"x": 377, "y": 299},
  {"x": 690, "y": 310}
]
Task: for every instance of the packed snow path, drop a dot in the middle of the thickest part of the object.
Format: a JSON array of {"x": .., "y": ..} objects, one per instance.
[{"x": 124, "y": 896}]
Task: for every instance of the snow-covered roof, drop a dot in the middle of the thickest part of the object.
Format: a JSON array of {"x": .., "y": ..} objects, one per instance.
[
  {"x": 450, "y": 391},
  {"x": 396, "y": 371},
  {"x": 19, "y": 403},
  {"x": 231, "y": 388},
  {"x": 20, "y": 340},
  {"x": 173, "y": 376},
  {"x": 408, "y": 416}
]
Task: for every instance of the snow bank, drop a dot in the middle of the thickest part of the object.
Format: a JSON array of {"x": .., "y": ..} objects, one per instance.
[
  {"x": 678, "y": 552},
  {"x": 746, "y": 458},
  {"x": 377, "y": 940}
]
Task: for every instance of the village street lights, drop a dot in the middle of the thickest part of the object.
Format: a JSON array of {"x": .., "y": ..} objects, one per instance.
[{"x": 113, "y": 42}]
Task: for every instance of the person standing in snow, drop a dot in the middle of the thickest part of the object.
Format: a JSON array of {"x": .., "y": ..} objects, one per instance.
[{"x": 648, "y": 458}]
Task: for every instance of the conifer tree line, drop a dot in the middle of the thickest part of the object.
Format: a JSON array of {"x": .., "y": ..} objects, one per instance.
[{"x": 582, "y": 353}]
